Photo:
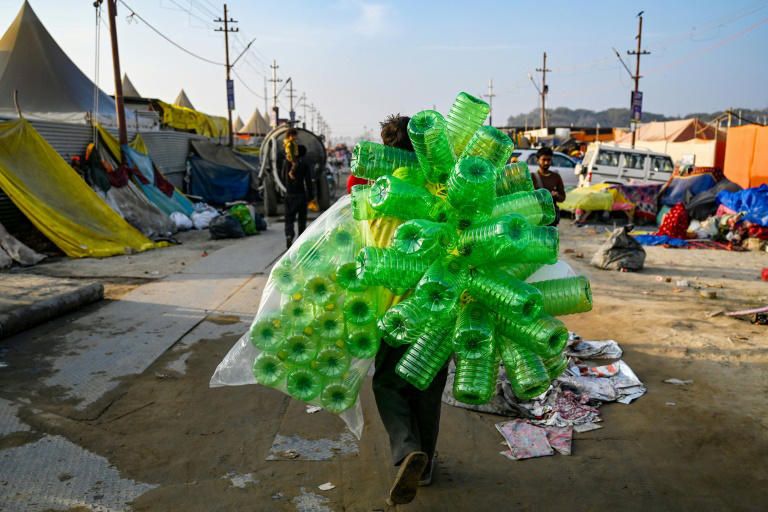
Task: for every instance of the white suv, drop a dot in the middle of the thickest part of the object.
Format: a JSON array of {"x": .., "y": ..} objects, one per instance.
[
  {"x": 561, "y": 163},
  {"x": 604, "y": 163}
]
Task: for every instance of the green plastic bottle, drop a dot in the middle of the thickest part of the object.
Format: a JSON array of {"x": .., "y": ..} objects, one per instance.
[
  {"x": 360, "y": 197},
  {"x": 267, "y": 332},
  {"x": 331, "y": 361},
  {"x": 565, "y": 296},
  {"x": 536, "y": 207},
  {"x": 404, "y": 322},
  {"x": 346, "y": 277},
  {"x": 512, "y": 178},
  {"x": 296, "y": 315},
  {"x": 423, "y": 238},
  {"x": 320, "y": 290},
  {"x": 429, "y": 135},
  {"x": 412, "y": 175},
  {"x": 495, "y": 240},
  {"x": 304, "y": 383},
  {"x": 475, "y": 379},
  {"x": 525, "y": 370},
  {"x": 471, "y": 186},
  {"x": 338, "y": 395},
  {"x": 508, "y": 297},
  {"x": 371, "y": 160},
  {"x": 520, "y": 271},
  {"x": 440, "y": 288},
  {"x": 467, "y": 114},
  {"x": 286, "y": 276},
  {"x": 344, "y": 242},
  {"x": 244, "y": 217},
  {"x": 299, "y": 350},
  {"x": 396, "y": 198},
  {"x": 361, "y": 308},
  {"x": 329, "y": 326},
  {"x": 556, "y": 365},
  {"x": 363, "y": 343},
  {"x": 268, "y": 369},
  {"x": 546, "y": 336},
  {"x": 425, "y": 357},
  {"x": 543, "y": 247},
  {"x": 313, "y": 256},
  {"x": 389, "y": 268},
  {"x": 491, "y": 144},
  {"x": 473, "y": 335}
]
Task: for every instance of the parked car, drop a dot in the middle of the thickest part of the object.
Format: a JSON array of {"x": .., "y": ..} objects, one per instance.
[
  {"x": 564, "y": 165},
  {"x": 605, "y": 163}
]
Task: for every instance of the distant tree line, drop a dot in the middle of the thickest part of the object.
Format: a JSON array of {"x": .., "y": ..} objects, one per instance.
[{"x": 616, "y": 117}]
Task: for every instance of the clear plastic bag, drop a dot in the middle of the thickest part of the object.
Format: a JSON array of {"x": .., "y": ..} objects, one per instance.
[{"x": 301, "y": 341}]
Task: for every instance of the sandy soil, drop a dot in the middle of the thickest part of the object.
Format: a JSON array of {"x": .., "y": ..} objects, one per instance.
[{"x": 701, "y": 446}]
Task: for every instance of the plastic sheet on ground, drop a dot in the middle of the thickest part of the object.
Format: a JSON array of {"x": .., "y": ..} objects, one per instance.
[
  {"x": 57, "y": 201},
  {"x": 203, "y": 215},
  {"x": 615, "y": 382},
  {"x": 12, "y": 250},
  {"x": 585, "y": 349},
  {"x": 176, "y": 203}
]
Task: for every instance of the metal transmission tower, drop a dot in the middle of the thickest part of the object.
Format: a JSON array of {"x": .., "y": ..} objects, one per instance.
[
  {"x": 275, "y": 81},
  {"x": 230, "y": 84},
  {"x": 544, "y": 90},
  {"x": 490, "y": 96}
]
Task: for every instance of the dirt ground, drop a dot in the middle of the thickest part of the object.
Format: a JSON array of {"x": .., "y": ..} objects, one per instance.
[{"x": 702, "y": 446}]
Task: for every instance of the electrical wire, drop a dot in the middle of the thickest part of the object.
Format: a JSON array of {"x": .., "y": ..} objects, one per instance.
[
  {"x": 242, "y": 81},
  {"x": 158, "y": 32}
]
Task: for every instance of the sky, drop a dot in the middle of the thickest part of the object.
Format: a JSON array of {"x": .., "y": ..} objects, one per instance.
[{"x": 358, "y": 61}]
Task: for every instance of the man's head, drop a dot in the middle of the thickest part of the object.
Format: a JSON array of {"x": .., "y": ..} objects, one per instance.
[
  {"x": 394, "y": 132},
  {"x": 291, "y": 134},
  {"x": 544, "y": 158}
]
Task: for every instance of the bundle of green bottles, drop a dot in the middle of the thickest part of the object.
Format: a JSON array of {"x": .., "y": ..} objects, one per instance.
[
  {"x": 472, "y": 230},
  {"x": 317, "y": 341}
]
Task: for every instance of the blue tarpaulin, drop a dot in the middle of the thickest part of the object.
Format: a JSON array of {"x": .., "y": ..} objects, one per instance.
[
  {"x": 675, "y": 192},
  {"x": 216, "y": 183},
  {"x": 176, "y": 203},
  {"x": 661, "y": 240},
  {"x": 752, "y": 201}
]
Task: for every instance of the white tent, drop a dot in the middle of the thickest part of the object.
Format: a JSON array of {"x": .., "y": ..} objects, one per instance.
[
  {"x": 255, "y": 125},
  {"x": 50, "y": 86},
  {"x": 129, "y": 90},
  {"x": 237, "y": 124},
  {"x": 183, "y": 101}
]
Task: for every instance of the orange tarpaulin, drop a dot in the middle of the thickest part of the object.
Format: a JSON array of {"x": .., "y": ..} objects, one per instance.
[{"x": 746, "y": 155}]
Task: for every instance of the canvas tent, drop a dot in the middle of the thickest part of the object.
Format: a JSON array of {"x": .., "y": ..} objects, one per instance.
[
  {"x": 746, "y": 155},
  {"x": 237, "y": 125},
  {"x": 182, "y": 100},
  {"x": 679, "y": 138},
  {"x": 255, "y": 125},
  {"x": 217, "y": 174},
  {"x": 57, "y": 200},
  {"x": 129, "y": 90},
  {"x": 50, "y": 86}
]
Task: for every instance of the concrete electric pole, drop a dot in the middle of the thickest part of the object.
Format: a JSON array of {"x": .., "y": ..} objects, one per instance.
[
  {"x": 544, "y": 90},
  {"x": 230, "y": 83},
  {"x": 636, "y": 103},
  {"x": 275, "y": 81}
]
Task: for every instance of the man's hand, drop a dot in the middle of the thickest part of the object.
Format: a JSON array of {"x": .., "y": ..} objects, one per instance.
[{"x": 291, "y": 172}]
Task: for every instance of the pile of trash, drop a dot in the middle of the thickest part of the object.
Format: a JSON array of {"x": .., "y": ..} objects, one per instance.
[{"x": 546, "y": 423}]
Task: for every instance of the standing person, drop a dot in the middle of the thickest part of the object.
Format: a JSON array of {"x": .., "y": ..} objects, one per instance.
[
  {"x": 291, "y": 151},
  {"x": 410, "y": 416},
  {"x": 298, "y": 190},
  {"x": 550, "y": 180}
]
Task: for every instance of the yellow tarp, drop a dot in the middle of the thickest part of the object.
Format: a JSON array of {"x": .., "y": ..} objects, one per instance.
[
  {"x": 113, "y": 144},
  {"x": 57, "y": 201},
  {"x": 588, "y": 198},
  {"x": 183, "y": 118}
]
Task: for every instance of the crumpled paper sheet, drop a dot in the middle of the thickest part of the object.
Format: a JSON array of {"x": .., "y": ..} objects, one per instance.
[
  {"x": 586, "y": 349},
  {"x": 526, "y": 441},
  {"x": 610, "y": 383}
]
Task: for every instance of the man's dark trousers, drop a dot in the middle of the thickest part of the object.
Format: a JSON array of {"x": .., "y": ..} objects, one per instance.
[
  {"x": 295, "y": 206},
  {"x": 411, "y": 417}
]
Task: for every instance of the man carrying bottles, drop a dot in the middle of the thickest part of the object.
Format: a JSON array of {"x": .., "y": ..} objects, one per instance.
[{"x": 410, "y": 416}]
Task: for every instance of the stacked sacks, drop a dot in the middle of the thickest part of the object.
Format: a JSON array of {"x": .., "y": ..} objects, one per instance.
[
  {"x": 474, "y": 229},
  {"x": 316, "y": 333}
]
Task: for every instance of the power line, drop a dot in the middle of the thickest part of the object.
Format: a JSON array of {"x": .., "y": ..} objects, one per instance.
[
  {"x": 246, "y": 85},
  {"x": 177, "y": 45}
]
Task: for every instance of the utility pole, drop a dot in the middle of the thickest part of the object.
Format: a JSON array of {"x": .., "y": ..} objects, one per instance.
[
  {"x": 266, "y": 106},
  {"x": 119, "y": 106},
  {"x": 304, "y": 105},
  {"x": 636, "y": 103},
  {"x": 230, "y": 83},
  {"x": 313, "y": 110},
  {"x": 490, "y": 96},
  {"x": 275, "y": 81},
  {"x": 290, "y": 96},
  {"x": 544, "y": 90}
]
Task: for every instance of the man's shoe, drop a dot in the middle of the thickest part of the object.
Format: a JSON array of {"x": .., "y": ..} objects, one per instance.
[
  {"x": 288, "y": 242},
  {"x": 407, "y": 480},
  {"x": 426, "y": 476}
]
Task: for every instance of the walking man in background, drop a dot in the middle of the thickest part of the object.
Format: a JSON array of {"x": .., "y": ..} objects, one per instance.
[{"x": 298, "y": 191}]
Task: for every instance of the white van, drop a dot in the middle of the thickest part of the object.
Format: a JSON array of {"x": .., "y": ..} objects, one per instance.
[{"x": 604, "y": 163}]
